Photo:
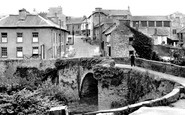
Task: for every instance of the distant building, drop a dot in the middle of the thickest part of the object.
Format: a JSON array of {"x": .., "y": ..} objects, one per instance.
[
  {"x": 157, "y": 27},
  {"x": 74, "y": 25},
  {"x": 85, "y": 28},
  {"x": 56, "y": 15},
  {"x": 178, "y": 24},
  {"x": 100, "y": 15},
  {"x": 27, "y": 36}
]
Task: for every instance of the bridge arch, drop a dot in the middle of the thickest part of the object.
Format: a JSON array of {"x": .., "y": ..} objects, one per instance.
[{"x": 89, "y": 85}]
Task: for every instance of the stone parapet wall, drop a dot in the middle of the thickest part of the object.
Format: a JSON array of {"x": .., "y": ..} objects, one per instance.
[
  {"x": 119, "y": 87},
  {"x": 163, "y": 67},
  {"x": 162, "y": 101},
  {"x": 8, "y": 67}
]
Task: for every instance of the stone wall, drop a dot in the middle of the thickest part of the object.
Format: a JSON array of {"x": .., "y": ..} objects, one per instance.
[
  {"x": 163, "y": 67},
  {"x": 9, "y": 67},
  {"x": 120, "y": 41},
  {"x": 118, "y": 87}
]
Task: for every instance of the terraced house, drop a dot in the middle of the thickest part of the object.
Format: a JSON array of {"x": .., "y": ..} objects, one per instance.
[{"x": 29, "y": 35}]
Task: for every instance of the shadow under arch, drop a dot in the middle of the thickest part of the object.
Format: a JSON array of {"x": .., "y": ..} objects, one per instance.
[{"x": 89, "y": 88}]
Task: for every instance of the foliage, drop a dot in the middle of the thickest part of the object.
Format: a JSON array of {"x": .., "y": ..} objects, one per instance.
[
  {"x": 84, "y": 62},
  {"x": 142, "y": 44},
  {"x": 29, "y": 77},
  {"x": 52, "y": 91},
  {"x": 24, "y": 102},
  {"x": 104, "y": 72},
  {"x": 35, "y": 102},
  {"x": 155, "y": 56},
  {"x": 179, "y": 61}
]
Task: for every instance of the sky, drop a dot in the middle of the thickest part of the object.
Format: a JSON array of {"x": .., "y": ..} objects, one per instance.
[{"x": 79, "y": 8}]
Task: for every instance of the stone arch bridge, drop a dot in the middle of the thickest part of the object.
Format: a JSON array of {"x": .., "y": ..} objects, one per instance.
[{"x": 82, "y": 78}]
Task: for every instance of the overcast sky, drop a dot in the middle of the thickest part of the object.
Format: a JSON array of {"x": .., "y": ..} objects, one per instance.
[{"x": 79, "y": 8}]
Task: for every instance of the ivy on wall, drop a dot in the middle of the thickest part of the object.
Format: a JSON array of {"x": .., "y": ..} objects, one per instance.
[
  {"x": 142, "y": 44},
  {"x": 139, "y": 85},
  {"x": 84, "y": 62}
]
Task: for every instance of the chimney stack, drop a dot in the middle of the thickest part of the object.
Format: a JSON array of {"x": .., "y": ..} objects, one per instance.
[
  {"x": 128, "y": 8},
  {"x": 22, "y": 14},
  {"x": 98, "y": 9}
]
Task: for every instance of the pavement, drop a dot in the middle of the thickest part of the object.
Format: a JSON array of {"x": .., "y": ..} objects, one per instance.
[
  {"x": 180, "y": 80},
  {"x": 84, "y": 49},
  {"x": 159, "y": 111}
]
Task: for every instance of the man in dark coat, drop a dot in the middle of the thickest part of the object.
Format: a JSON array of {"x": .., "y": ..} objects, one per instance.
[{"x": 132, "y": 59}]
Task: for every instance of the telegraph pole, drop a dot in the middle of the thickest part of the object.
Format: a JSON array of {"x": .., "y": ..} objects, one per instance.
[
  {"x": 73, "y": 31},
  {"x": 60, "y": 50},
  {"x": 99, "y": 34}
]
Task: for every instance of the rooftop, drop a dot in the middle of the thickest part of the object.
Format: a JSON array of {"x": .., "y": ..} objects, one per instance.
[
  {"x": 72, "y": 20},
  {"x": 111, "y": 12},
  {"x": 115, "y": 12},
  {"x": 31, "y": 20},
  {"x": 152, "y": 18}
]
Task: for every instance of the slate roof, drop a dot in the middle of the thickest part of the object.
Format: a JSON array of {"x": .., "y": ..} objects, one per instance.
[
  {"x": 163, "y": 32},
  {"x": 110, "y": 29},
  {"x": 107, "y": 21},
  {"x": 108, "y": 12},
  {"x": 116, "y": 12},
  {"x": 181, "y": 31},
  {"x": 74, "y": 20},
  {"x": 150, "y": 18},
  {"x": 30, "y": 21},
  {"x": 152, "y": 31}
]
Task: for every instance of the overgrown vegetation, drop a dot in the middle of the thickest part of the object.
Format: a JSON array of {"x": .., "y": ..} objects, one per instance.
[
  {"x": 30, "y": 91},
  {"x": 139, "y": 86},
  {"x": 84, "y": 62},
  {"x": 24, "y": 101},
  {"x": 142, "y": 44}
]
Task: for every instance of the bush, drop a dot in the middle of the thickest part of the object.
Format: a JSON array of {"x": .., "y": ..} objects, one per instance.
[
  {"x": 52, "y": 91},
  {"x": 24, "y": 102}
]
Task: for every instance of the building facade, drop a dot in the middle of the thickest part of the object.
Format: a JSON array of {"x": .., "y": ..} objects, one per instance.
[
  {"x": 74, "y": 25},
  {"x": 100, "y": 15},
  {"x": 26, "y": 36},
  {"x": 56, "y": 15},
  {"x": 157, "y": 27},
  {"x": 117, "y": 40}
]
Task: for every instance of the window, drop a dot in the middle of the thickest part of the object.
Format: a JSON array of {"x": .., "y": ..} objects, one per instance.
[
  {"x": 174, "y": 31},
  {"x": 151, "y": 24},
  {"x": 19, "y": 52},
  {"x": 135, "y": 23},
  {"x": 70, "y": 41},
  {"x": 4, "y": 37},
  {"x": 130, "y": 40},
  {"x": 124, "y": 16},
  {"x": 35, "y": 37},
  {"x": 144, "y": 23},
  {"x": 166, "y": 23},
  {"x": 35, "y": 52},
  {"x": 159, "y": 23},
  {"x": 19, "y": 37},
  {"x": 109, "y": 50},
  {"x": 4, "y": 52}
]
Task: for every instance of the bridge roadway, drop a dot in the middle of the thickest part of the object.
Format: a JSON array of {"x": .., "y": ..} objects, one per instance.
[{"x": 153, "y": 110}]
